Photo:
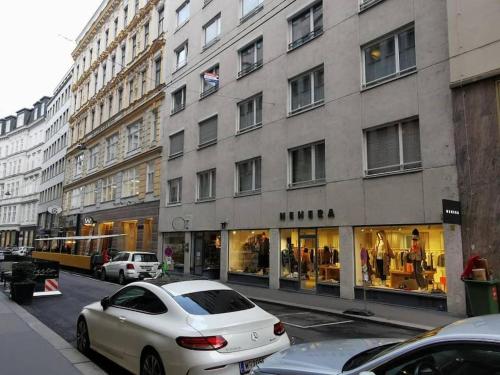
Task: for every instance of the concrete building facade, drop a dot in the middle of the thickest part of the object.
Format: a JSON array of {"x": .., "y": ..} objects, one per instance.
[
  {"x": 309, "y": 145},
  {"x": 21, "y": 144},
  {"x": 114, "y": 151},
  {"x": 54, "y": 155},
  {"x": 475, "y": 81}
]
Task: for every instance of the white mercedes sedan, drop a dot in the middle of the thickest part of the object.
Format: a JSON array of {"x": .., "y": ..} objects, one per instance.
[{"x": 185, "y": 327}]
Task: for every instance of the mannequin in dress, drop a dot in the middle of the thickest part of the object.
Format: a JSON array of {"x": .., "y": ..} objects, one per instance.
[
  {"x": 382, "y": 253},
  {"x": 417, "y": 255}
]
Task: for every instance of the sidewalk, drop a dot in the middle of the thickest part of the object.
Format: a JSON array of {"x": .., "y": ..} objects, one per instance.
[
  {"x": 27, "y": 346},
  {"x": 406, "y": 317}
]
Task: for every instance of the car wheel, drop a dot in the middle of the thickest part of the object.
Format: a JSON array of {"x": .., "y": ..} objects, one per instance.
[
  {"x": 121, "y": 278},
  {"x": 103, "y": 275},
  {"x": 151, "y": 364},
  {"x": 82, "y": 336}
]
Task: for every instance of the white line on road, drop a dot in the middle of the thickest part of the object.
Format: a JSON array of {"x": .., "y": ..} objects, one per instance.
[
  {"x": 318, "y": 325},
  {"x": 289, "y": 314}
]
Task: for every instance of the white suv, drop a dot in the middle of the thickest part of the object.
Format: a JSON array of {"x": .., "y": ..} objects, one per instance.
[{"x": 130, "y": 265}]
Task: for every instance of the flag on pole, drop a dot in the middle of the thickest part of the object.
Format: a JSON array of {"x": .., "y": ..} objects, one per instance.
[{"x": 211, "y": 78}]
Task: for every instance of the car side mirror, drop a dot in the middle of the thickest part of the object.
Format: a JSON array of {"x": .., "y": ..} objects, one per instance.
[{"x": 105, "y": 302}]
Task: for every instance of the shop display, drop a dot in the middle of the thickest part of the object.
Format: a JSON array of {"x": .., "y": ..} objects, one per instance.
[
  {"x": 249, "y": 252},
  {"x": 409, "y": 258}
]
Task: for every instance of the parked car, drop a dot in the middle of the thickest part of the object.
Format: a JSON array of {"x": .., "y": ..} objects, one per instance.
[
  {"x": 130, "y": 265},
  {"x": 195, "y": 327},
  {"x": 23, "y": 250},
  {"x": 469, "y": 346}
]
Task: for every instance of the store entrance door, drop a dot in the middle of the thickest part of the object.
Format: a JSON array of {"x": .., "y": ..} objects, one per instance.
[
  {"x": 206, "y": 257},
  {"x": 308, "y": 259}
]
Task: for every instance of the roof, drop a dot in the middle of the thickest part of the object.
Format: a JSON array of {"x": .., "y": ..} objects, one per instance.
[
  {"x": 191, "y": 286},
  {"x": 480, "y": 326}
]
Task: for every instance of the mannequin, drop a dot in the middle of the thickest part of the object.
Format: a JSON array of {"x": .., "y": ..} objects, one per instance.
[
  {"x": 382, "y": 253},
  {"x": 417, "y": 255}
]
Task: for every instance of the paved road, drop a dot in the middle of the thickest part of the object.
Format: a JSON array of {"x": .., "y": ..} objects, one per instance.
[{"x": 60, "y": 314}]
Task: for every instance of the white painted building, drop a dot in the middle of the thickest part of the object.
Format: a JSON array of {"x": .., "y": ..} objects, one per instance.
[
  {"x": 21, "y": 142},
  {"x": 54, "y": 159}
]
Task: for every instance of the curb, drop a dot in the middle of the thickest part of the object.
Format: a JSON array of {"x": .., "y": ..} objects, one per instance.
[
  {"x": 78, "y": 360},
  {"x": 373, "y": 319}
]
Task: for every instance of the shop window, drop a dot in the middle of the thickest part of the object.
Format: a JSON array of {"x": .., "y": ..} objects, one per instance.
[
  {"x": 249, "y": 252},
  {"x": 307, "y": 90},
  {"x": 306, "y": 26},
  {"x": 307, "y": 165},
  {"x": 174, "y": 243},
  {"x": 410, "y": 258},
  {"x": 129, "y": 241},
  {"x": 393, "y": 148},
  {"x": 389, "y": 57}
]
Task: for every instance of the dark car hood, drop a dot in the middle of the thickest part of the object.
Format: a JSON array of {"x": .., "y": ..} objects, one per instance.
[{"x": 324, "y": 357}]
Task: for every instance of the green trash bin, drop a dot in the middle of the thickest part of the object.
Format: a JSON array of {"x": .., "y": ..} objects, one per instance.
[{"x": 482, "y": 297}]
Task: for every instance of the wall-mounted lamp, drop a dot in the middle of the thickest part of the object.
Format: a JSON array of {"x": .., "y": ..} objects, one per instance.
[{"x": 223, "y": 225}]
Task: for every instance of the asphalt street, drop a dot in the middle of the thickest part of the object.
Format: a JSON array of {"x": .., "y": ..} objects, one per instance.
[{"x": 60, "y": 314}]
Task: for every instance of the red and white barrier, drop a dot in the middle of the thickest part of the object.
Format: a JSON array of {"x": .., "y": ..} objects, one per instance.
[{"x": 51, "y": 285}]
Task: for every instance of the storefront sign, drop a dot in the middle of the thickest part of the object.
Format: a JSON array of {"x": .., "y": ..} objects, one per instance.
[
  {"x": 451, "y": 212},
  {"x": 320, "y": 214},
  {"x": 88, "y": 220}
]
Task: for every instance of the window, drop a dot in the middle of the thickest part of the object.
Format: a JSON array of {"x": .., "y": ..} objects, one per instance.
[
  {"x": 176, "y": 144},
  {"x": 249, "y": 8},
  {"x": 115, "y": 30},
  {"x": 389, "y": 57},
  {"x": 78, "y": 164},
  {"x": 76, "y": 198},
  {"x": 89, "y": 197},
  {"x": 146, "y": 34},
  {"x": 212, "y": 302},
  {"x": 306, "y": 26},
  {"x": 108, "y": 189},
  {"x": 307, "y": 90},
  {"x": 143, "y": 82},
  {"x": 130, "y": 183},
  {"x": 98, "y": 47},
  {"x": 210, "y": 81},
  {"x": 250, "y": 58},
  {"x": 103, "y": 74},
  {"x": 123, "y": 55},
  {"x": 175, "y": 191},
  {"x": 95, "y": 83},
  {"x": 110, "y": 106},
  {"x": 101, "y": 112},
  {"x": 250, "y": 113},
  {"x": 249, "y": 252},
  {"x": 364, "y": 4},
  {"x": 134, "y": 45},
  {"x": 93, "y": 157},
  {"x": 150, "y": 177},
  {"x": 208, "y": 131},
  {"x": 211, "y": 31},
  {"x": 131, "y": 91},
  {"x": 157, "y": 71},
  {"x": 111, "y": 147},
  {"x": 181, "y": 54},
  {"x": 183, "y": 14},
  {"x": 136, "y": 6},
  {"x": 206, "y": 185},
  {"x": 161, "y": 15},
  {"x": 106, "y": 37},
  {"x": 120, "y": 98},
  {"x": 248, "y": 176},
  {"x": 155, "y": 125},
  {"x": 125, "y": 16},
  {"x": 178, "y": 100},
  {"x": 307, "y": 164},
  {"x": 139, "y": 299},
  {"x": 393, "y": 148},
  {"x": 133, "y": 137}
]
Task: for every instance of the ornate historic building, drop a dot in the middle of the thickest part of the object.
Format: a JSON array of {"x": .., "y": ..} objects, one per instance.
[{"x": 112, "y": 174}]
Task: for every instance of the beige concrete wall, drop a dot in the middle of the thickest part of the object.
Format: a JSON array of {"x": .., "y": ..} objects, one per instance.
[{"x": 474, "y": 39}]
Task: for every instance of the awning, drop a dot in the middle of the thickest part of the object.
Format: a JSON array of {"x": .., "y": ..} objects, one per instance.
[{"x": 77, "y": 238}]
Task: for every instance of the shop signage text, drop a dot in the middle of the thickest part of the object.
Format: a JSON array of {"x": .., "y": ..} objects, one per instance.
[
  {"x": 88, "y": 220},
  {"x": 451, "y": 212},
  {"x": 320, "y": 214}
]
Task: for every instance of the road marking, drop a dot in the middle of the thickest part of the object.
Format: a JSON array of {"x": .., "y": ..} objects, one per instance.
[
  {"x": 289, "y": 314},
  {"x": 318, "y": 325}
]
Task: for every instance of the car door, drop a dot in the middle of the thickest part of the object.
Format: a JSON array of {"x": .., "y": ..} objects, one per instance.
[
  {"x": 457, "y": 358},
  {"x": 136, "y": 308},
  {"x": 114, "y": 266}
]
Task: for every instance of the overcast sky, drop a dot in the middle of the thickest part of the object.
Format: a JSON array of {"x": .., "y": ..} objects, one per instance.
[{"x": 34, "y": 51}]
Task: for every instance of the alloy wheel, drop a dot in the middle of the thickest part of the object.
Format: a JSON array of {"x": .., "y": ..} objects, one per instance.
[
  {"x": 82, "y": 336},
  {"x": 151, "y": 365},
  {"x": 103, "y": 275},
  {"x": 121, "y": 278}
]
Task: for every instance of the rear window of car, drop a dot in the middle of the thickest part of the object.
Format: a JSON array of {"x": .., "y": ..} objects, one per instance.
[
  {"x": 211, "y": 302},
  {"x": 145, "y": 258}
]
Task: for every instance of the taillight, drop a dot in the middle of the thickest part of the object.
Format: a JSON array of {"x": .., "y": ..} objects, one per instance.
[
  {"x": 130, "y": 266},
  {"x": 279, "y": 329},
  {"x": 202, "y": 343}
]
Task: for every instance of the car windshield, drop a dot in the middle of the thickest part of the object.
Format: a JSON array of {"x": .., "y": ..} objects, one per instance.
[
  {"x": 210, "y": 302},
  {"x": 379, "y": 351},
  {"x": 145, "y": 258}
]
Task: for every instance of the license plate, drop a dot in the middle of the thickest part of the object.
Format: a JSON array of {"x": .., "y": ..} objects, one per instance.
[
  {"x": 246, "y": 366},
  {"x": 147, "y": 268}
]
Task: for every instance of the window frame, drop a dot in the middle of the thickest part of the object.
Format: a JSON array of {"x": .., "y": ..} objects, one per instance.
[
  {"x": 177, "y": 12},
  {"x": 314, "y": 103},
  {"x": 79, "y": 159},
  {"x": 212, "y": 185},
  {"x": 182, "y": 90},
  {"x": 108, "y": 184},
  {"x": 130, "y": 183},
  {"x": 254, "y": 189},
  {"x": 209, "y": 91},
  {"x": 257, "y": 64},
  {"x": 93, "y": 156},
  {"x": 131, "y": 135},
  {"x": 86, "y": 194},
  {"x": 150, "y": 173},
  {"x": 178, "y": 200},
  {"x": 124, "y": 290},
  {"x": 314, "y": 181},
  {"x": 182, "y": 47},
  {"x": 112, "y": 144},
  {"x": 398, "y": 73},
  {"x": 179, "y": 153},
  {"x": 251, "y": 12},
  {"x": 211, "y": 141},
  {"x": 365, "y": 4},
  {"x": 208, "y": 43},
  {"x": 313, "y": 34},
  {"x": 256, "y": 124},
  {"x": 402, "y": 169}
]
